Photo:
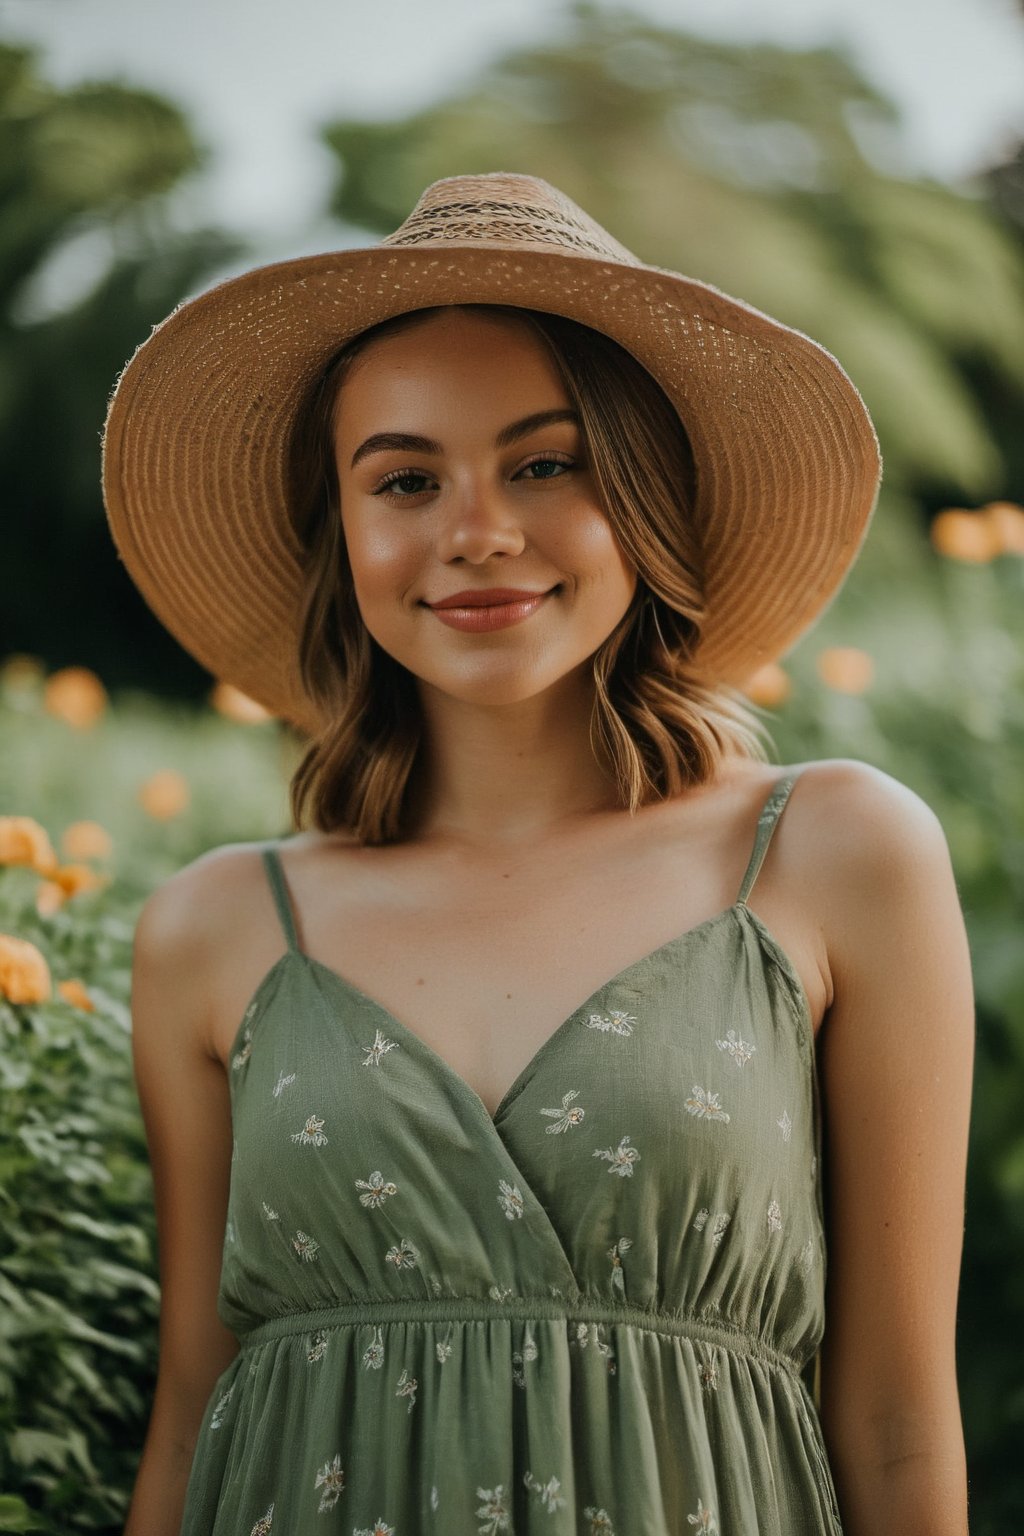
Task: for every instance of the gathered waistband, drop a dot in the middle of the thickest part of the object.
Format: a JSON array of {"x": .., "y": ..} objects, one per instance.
[{"x": 378, "y": 1314}]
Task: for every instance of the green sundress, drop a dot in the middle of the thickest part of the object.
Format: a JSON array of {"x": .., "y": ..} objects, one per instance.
[{"x": 595, "y": 1314}]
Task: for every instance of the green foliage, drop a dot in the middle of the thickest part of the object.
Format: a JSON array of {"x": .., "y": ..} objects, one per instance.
[{"x": 762, "y": 171}]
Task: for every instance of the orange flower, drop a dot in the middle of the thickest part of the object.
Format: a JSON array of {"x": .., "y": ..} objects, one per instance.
[
  {"x": 962, "y": 535},
  {"x": 233, "y": 704},
  {"x": 846, "y": 669},
  {"x": 769, "y": 686},
  {"x": 73, "y": 878},
  {"x": 75, "y": 695},
  {"x": 24, "y": 841},
  {"x": 50, "y": 897},
  {"x": 164, "y": 794},
  {"x": 24, "y": 973},
  {"x": 73, "y": 992},
  {"x": 1007, "y": 522},
  {"x": 86, "y": 840}
]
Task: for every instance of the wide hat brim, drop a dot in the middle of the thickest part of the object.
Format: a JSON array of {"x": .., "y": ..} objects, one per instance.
[{"x": 196, "y": 462}]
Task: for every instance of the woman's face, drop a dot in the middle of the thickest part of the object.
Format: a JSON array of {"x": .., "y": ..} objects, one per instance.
[{"x": 456, "y": 507}]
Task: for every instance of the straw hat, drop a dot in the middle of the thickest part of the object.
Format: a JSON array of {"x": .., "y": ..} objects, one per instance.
[{"x": 195, "y": 447}]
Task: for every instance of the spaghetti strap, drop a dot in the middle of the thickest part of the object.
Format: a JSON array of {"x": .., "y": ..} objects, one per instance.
[
  {"x": 767, "y": 821},
  {"x": 279, "y": 886}
]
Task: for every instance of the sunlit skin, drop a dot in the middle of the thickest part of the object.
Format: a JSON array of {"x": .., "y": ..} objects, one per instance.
[{"x": 507, "y": 711}]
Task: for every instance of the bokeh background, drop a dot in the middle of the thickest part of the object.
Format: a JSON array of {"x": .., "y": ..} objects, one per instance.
[{"x": 855, "y": 168}]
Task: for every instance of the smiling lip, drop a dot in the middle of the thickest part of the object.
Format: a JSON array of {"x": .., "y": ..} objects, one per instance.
[
  {"x": 486, "y": 597},
  {"x": 481, "y": 615}
]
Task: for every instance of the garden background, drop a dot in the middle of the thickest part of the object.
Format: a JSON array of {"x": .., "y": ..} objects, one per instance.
[{"x": 772, "y": 172}]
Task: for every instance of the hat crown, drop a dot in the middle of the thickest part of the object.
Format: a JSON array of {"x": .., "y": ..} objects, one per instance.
[{"x": 506, "y": 209}]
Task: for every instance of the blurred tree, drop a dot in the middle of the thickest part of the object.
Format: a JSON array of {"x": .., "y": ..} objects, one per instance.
[
  {"x": 773, "y": 175},
  {"x": 90, "y": 260}
]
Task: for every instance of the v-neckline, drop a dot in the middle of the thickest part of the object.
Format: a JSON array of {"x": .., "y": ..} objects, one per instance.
[{"x": 444, "y": 1068}]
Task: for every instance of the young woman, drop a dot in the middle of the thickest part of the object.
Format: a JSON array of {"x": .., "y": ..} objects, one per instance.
[{"x": 508, "y": 1120}]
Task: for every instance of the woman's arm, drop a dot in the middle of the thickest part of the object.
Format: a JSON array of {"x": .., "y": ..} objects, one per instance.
[
  {"x": 896, "y": 1057},
  {"x": 183, "y": 1094}
]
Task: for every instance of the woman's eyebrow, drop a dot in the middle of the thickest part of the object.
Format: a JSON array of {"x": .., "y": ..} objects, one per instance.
[{"x": 409, "y": 442}]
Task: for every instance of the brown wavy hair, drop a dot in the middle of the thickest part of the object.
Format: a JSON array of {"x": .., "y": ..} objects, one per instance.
[{"x": 659, "y": 724}]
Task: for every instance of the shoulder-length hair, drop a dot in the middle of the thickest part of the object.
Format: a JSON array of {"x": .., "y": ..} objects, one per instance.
[{"x": 655, "y": 719}]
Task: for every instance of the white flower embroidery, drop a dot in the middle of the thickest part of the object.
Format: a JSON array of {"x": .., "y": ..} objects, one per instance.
[
  {"x": 332, "y": 1480},
  {"x": 282, "y": 1082},
  {"x": 373, "y": 1354},
  {"x": 806, "y": 1258},
  {"x": 708, "y": 1372},
  {"x": 407, "y": 1388},
  {"x": 433, "y": 1498},
  {"x": 701, "y": 1219},
  {"x": 403, "y": 1255},
  {"x": 378, "y": 1528},
  {"x": 740, "y": 1050},
  {"x": 444, "y": 1346},
  {"x": 381, "y": 1045},
  {"x": 230, "y": 1231},
  {"x": 218, "y": 1413},
  {"x": 703, "y": 1103},
  {"x": 600, "y": 1521},
  {"x": 520, "y": 1359},
  {"x": 774, "y": 1217},
  {"x": 565, "y": 1117},
  {"x": 510, "y": 1199},
  {"x": 377, "y": 1191},
  {"x": 704, "y": 1520},
  {"x": 317, "y": 1346},
  {"x": 615, "y": 1253},
  {"x": 785, "y": 1125},
  {"x": 494, "y": 1510},
  {"x": 269, "y": 1212},
  {"x": 241, "y": 1057},
  {"x": 587, "y": 1333},
  {"x": 312, "y": 1131},
  {"x": 814, "y": 1166},
  {"x": 305, "y": 1246},
  {"x": 262, "y": 1526},
  {"x": 718, "y": 1226},
  {"x": 614, "y": 1022},
  {"x": 500, "y": 1292},
  {"x": 550, "y": 1496},
  {"x": 622, "y": 1159}
]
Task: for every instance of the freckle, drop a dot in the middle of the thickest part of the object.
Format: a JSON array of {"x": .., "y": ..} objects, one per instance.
[{"x": 419, "y": 981}]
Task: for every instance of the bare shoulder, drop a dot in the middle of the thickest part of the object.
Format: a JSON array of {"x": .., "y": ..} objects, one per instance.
[
  {"x": 871, "y": 848},
  {"x": 191, "y": 931}
]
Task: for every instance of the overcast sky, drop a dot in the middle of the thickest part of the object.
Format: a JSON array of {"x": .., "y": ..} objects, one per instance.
[{"x": 256, "y": 76}]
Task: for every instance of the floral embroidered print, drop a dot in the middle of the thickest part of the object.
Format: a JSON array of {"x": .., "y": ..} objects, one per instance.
[
  {"x": 615, "y": 1253},
  {"x": 774, "y": 1217},
  {"x": 283, "y": 1082},
  {"x": 317, "y": 1346},
  {"x": 565, "y": 1116},
  {"x": 407, "y": 1388},
  {"x": 403, "y": 1255},
  {"x": 332, "y": 1480},
  {"x": 549, "y": 1494},
  {"x": 622, "y": 1159},
  {"x": 739, "y": 1050},
  {"x": 373, "y": 1354},
  {"x": 704, "y": 1104},
  {"x": 377, "y": 1191},
  {"x": 615, "y": 1022},
  {"x": 785, "y": 1125},
  {"x": 494, "y": 1510},
  {"x": 305, "y": 1246},
  {"x": 380, "y": 1047},
  {"x": 312, "y": 1131},
  {"x": 510, "y": 1199},
  {"x": 704, "y": 1520},
  {"x": 218, "y": 1413}
]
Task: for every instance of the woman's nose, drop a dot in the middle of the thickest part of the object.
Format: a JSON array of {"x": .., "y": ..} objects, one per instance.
[{"x": 479, "y": 521}]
